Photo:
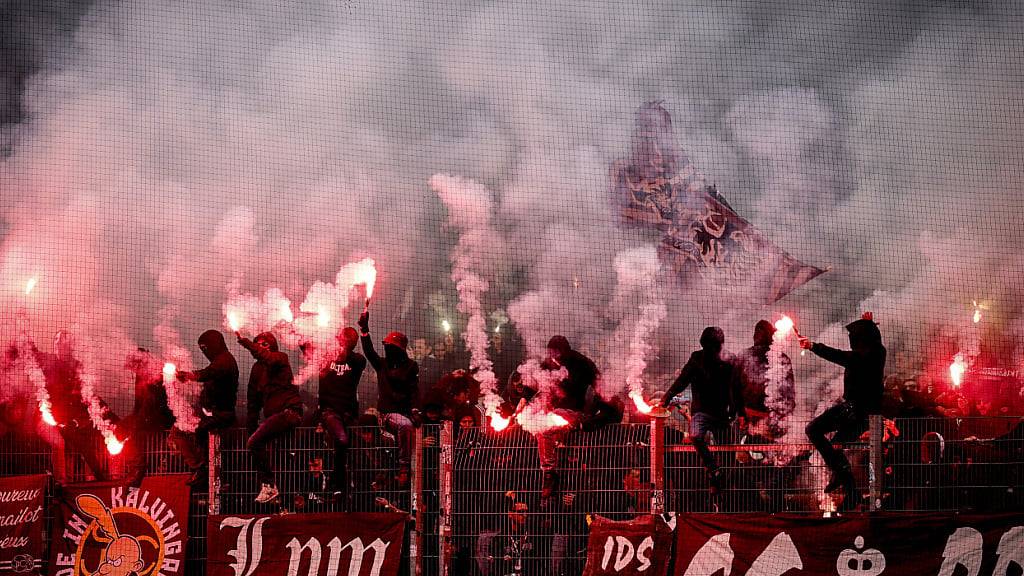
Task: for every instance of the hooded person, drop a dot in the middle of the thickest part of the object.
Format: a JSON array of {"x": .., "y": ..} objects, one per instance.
[
  {"x": 67, "y": 406},
  {"x": 217, "y": 400},
  {"x": 397, "y": 386},
  {"x": 751, "y": 374},
  {"x": 150, "y": 418},
  {"x": 338, "y": 403},
  {"x": 569, "y": 400},
  {"x": 863, "y": 388},
  {"x": 715, "y": 398},
  {"x": 272, "y": 390}
]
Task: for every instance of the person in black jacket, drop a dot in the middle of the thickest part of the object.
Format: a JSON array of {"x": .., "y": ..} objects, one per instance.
[
  {"x": 715, "y": 398},
  {"x": 272, "y": 390},
  {"x": 339, "y": 403},
  {"x": 569, "y": 401},
  {"x": 150, "y": 418},
  {"x": 752, "y": 377},
  {"x": 217, "y": 401},
  {"x": 862, "y": 395},
  {"x": 398, "y": 391}
]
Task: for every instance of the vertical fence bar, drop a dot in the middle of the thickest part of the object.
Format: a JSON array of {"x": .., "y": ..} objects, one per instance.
[
  {"x": 416, "y": 498},
  {"x": 444, "y": 531},
  {"x": 876, "y": 463},
  {"x": 213, "y": 478},
  {"x": 657, "y": 446}
]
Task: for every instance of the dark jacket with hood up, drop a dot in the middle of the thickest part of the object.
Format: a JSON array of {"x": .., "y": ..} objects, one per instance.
[
  {"x": 271, "y": 384},
  {"x": 863, "y": 381},
  {"x": 398, "y": 388},
  {"x": 583, "y": 373},
  {"x": 714, "y": 388},
  {"x": 219, "y": 394}
]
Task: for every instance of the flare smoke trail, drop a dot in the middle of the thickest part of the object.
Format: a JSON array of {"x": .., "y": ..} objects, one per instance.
[
  {"x": 95, "y": 407},
  {"x": 536, "y": 417},
  {"x": 470, "y": 206},
  {"x": 27, "y": 364},
  {"x": 185, "y": 418}
]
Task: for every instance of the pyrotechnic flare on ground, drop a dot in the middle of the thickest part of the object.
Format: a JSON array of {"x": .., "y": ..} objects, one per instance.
[
  {"x": 569, "y": 402},
  {"x": 339, "y": 403},
  {"x": 716, "y": 400},
  {"x": 150, "y": 417},
  {"x": 68, "y": 407},
  {"x": 862, "y": 396},
  {"x": 217, "y": 401},
  {"x": 271, "y": 389},
  {"x": 398, "y": 391},
  {"x": 752, "y": 375}
]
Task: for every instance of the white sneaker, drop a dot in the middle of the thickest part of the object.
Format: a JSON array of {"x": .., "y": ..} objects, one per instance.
[{"x": 267, "y": 493}]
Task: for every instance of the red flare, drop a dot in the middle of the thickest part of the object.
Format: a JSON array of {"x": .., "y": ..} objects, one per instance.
[
  {"x": 957, "y": 370},
  {"x": 114, "y": 446},
  {"x": 233, "y": 322},
  {"x": 170, "y": 370},
  {"x": 641, "y": 405},
  {"x": 33, "y": 280},
  {"x": 366, "y": 274},
  {"x": 44, "y": 411},
  {"x": 784, "y": 325},
  {"x": 499, "y": 422},
  {"x": 556, "y": 421}
]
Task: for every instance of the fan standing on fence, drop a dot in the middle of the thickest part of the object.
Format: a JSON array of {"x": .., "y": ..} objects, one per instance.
[
  {"x": 217, "y": 401},
  {"x": 150, "y": 418},
  {"x": 862, "y": 396},
  {"x": 271, "y": 389},
  {"x": 338, "y": 405}
]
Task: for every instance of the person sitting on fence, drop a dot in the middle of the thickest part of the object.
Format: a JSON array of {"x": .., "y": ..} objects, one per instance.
[
  {"x": 715, "y": 398},
  {"x": 568, "y": 401},
  {"x": 397, "y": 386},
  {"x": 217, "y": 399},
  {"x": 150, "y": 418},
  {"x": 338, "y": 402},
  {"x": 272, "y": 390},
  {"x": 862, "y": 396}
]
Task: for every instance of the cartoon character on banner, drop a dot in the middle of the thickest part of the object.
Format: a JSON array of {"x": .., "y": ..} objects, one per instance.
[{"x": 123, "y": 554}]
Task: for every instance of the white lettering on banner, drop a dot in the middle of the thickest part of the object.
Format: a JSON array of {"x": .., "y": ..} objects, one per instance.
[
  {"x": 243, "y": 564},
  {"x": 1011, "y": 550},
  {"x": 355, "y": 565},
  {"x": 963, "y": 548},
  {"x": 870, "y": 562},
  {"x": 716, "y": 554},
  {"x": 626, "y": 553}
]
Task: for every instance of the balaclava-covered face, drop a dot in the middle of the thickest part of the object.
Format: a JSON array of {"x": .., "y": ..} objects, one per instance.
[
  {"x": 763, "y": 333},
  {"x": 712, "y": 339},
  {"x": 864, "y": 335},
  {"x": 269, "y": 338},
  {"x": 212, "y": 343}
]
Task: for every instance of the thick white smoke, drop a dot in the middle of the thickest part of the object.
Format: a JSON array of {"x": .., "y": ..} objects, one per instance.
[{"x": 470, "y": 206}]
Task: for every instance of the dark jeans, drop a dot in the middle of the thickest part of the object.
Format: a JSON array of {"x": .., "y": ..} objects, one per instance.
[
  {"x": 258, "y": 445},
  {"x": 701, "y": 425},
  {"x": 401, "y": 427},
  {"x": 848, "y": 425},
  {"x": 194, "y": 446},
  {"x": 335, "y": 425},
  {"x": 87, "y": 442}
]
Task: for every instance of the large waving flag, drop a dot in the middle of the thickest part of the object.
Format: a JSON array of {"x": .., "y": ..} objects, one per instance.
[{"x": 660, "y": 188}]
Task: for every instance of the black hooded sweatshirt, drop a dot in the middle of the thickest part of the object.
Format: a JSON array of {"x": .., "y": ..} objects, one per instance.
[
  {"x": 714, "y": 391},
  {"x": 271, "y": 384},
  {"x": 863, "y": 381},
  {"x": 220, "y": 379},
  {"x": 398, "y": 388},
  {"x": 64, "y": 387},
  {"x": 339, "y": 384},
  {"x": 583, "y": 373}
]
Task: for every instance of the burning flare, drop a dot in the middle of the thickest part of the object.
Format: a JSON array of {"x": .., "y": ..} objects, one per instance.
[
  {"x": 323, "y": 317},
  {"x": 784, "y": 325},
  {"x": 977, "y": 312},
  {"x": 233, "y": 322},
  {"x": 28, "y": 364},
  {"x": 286, "y": 311},
  {"x": 641, "y": 405},
  {"x": 365, "y": 272},
  {"x": 31, "y": 284},
  {"x": 499, "y": 422},
  {"x": 446, "y": 326},
  {"x": 957, "y": 370}
]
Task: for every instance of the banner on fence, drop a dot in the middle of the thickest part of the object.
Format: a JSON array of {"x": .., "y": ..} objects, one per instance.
[
  {"x": 858, "y": 545},
  {"x": 104, "y": 528},
  {"x": 354, "y": 544},
  {"x": 21, "y": 524},
  {"x": 639, "y": 547}
]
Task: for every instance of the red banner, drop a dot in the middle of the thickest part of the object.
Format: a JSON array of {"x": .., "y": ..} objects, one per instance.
[
  {"x": 104, "y": 528},
  {"x": 21, "y": 524},
  {"x": 356, "y": 544},
  {"x": 932, "y": 544},
  {"x": 640, "y": 547}
]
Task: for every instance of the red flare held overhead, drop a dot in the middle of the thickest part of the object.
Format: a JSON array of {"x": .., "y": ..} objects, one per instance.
[
  {"x": 233, "y": 321},
  {"x": 366, "y": 274},
  {"x": 784, "y": 325}
]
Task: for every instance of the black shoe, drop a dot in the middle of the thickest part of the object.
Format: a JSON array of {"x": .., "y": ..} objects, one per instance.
[
  {"x": 840, "y": 479},
  {"x": 715, "y": 482},
  {"x": 550, "y": 485}
]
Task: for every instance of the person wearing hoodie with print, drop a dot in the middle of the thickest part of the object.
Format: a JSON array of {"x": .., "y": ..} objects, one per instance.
[
  {"x": 272, "y": 390},
  {"x": 217, "y": 400},
  {"x": 397, "y": 386}
]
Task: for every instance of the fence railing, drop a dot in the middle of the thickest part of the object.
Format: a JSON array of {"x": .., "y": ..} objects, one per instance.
[{"x": 474, "y": 496}]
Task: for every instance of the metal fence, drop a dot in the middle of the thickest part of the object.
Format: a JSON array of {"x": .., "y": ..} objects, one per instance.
[{"x": 474, "y": 496}]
